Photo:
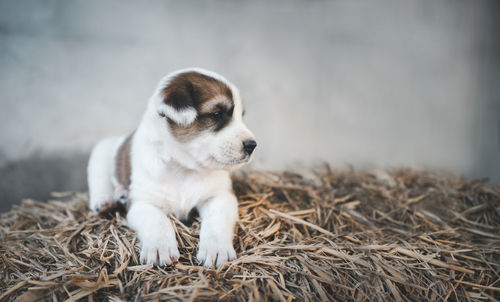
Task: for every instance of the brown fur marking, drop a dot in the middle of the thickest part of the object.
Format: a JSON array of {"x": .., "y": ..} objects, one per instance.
[
  {"x": 193, "y": 89},
  {"x": 123, "y": 166},
  {"x": 202, "y": 92}
]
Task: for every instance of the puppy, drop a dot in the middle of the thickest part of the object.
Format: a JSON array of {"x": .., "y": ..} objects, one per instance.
[{"x": 179, "y": 158}]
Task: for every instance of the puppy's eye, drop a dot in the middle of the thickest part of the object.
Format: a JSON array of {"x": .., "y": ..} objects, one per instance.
[
  {"x": 217, "y": 115},
  {"x": 161, "y": 114}
]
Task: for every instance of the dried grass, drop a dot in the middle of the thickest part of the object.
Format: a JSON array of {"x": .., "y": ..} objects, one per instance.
[{"x": 401, "y": 235}]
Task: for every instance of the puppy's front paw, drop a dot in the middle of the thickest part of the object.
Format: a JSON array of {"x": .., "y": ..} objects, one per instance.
[
  {"x": 160, "y": 252},
  {"x": 212, "y": 254}
]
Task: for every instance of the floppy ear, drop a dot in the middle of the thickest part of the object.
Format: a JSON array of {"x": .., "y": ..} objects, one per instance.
[{"x": 178, "y": 102}]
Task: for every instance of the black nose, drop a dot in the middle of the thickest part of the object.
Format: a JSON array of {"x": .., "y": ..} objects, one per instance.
[{"x": 249, "y": 145}]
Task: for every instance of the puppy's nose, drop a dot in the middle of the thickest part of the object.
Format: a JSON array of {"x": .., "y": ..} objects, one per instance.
[{"x": 249, "y": 145}]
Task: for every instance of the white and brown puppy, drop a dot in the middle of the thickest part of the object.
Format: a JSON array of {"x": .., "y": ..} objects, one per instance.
[{"x": 179, "y": 158}]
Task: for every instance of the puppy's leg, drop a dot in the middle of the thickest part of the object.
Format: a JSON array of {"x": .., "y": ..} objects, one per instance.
[
  {"x": 99, "y": 173},
  {"x": 155, "y": 231},
  {"x": 218, "y": 217}
]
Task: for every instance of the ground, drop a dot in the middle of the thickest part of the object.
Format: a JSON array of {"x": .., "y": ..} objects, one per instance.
[{"x": 400, "y": 235}]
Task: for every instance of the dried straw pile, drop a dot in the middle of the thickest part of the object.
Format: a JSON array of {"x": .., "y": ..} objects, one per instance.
[{"x": 401, "y": 235}]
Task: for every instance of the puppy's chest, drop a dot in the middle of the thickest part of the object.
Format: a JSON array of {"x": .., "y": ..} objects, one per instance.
[{"x": 179, "y": 194}]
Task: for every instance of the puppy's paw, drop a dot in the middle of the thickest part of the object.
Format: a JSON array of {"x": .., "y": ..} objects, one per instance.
[
  {"x": 121, "y": 195},
  {"x": 103, "y": 204},
  {"x": 211, "y": 254},
  {"x": 159, "y": 252}
]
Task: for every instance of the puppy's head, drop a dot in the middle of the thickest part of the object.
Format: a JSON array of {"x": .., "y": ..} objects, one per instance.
[{"x": 204, "y": 113}]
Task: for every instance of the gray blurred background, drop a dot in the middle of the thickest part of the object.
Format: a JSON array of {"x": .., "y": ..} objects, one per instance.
[{"x": 368, "y": 84}]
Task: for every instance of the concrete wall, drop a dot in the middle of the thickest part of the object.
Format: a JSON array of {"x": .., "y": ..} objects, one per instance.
[{"x": 363, "y": 83}]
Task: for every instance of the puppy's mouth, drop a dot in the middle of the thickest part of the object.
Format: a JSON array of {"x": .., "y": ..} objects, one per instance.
[{"x": 232, "y": 162}]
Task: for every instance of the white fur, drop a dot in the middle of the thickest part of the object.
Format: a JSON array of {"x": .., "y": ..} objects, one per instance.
[
  {"x": 100, "y": 171},
  {"x": 183, "y": 117},
  {"x": 173, "y": 177}
]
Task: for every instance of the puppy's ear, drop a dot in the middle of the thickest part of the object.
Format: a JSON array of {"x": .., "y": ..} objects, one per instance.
[{"x": 178, "y": 102}]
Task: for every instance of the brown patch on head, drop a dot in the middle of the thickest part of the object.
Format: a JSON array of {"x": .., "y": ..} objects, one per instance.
[
  {"x": 123, "y": 166},
  {"x": 193, "y": 89},
  {"x": 212, "y": 99}
]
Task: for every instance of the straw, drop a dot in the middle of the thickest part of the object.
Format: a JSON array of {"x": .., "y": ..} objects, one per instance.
[{"x": 330, "y": 235}]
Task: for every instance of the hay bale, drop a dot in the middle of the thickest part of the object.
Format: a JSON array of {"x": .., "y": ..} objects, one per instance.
[{"x": 402, "y": 235}]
